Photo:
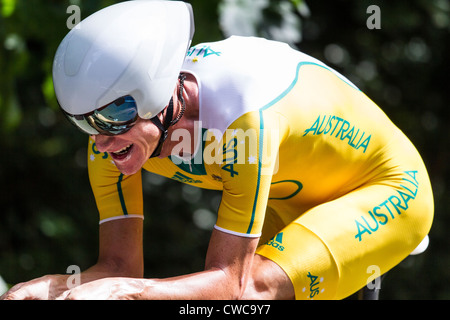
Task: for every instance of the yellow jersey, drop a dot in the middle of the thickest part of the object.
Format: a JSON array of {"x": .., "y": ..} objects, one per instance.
[{"x": 279, "y": 132}]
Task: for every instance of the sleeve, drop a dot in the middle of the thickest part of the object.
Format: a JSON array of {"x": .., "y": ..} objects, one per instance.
[
  {"x": 117, "y": 196},
  {"x": 250, "y": 155}
]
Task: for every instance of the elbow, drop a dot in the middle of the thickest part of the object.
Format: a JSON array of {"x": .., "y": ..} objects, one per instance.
[{"x": 229, "y": 287}]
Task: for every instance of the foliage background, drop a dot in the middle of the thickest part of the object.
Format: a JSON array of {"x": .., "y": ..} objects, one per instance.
[{"x": 48, "y": 218}]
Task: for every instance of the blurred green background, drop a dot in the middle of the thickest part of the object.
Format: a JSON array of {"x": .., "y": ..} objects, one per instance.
[{"x": 48, "y": 218}]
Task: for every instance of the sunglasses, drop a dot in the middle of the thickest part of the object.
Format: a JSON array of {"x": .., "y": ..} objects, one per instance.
[{"x": 113, "y": 119}]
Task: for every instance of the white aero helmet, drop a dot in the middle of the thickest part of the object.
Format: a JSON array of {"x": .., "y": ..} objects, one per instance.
[{"x": 133, "y": 48}]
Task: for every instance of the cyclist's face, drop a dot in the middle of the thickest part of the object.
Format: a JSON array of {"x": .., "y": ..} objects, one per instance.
[{"x": 132, "y": 149}]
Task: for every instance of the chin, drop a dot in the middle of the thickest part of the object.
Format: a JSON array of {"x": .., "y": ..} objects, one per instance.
[
  {"x": 128, "y": 171},
  {"x": 130, "y": 167}
]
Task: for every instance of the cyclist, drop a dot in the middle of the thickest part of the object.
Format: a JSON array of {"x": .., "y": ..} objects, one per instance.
[{"x": 317, "y": 183}]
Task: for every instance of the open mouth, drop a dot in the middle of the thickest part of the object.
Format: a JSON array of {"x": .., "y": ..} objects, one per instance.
[{"x": 122, "y": 153}]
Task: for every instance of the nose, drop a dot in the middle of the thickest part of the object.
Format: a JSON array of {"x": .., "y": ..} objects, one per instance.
[{"x": 102, "y": 142}]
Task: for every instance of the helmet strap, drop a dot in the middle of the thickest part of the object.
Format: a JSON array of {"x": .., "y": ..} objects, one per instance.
[
  {"x": 168, "y": 118},
  {"x": 181, "y": 77}
]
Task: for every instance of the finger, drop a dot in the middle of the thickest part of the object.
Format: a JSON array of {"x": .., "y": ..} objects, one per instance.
[{"x": 12, "y": 294}]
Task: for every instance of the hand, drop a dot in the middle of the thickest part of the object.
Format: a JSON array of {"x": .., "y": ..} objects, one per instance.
[
  {"x": 44, "y": 288},
  {"x": 107, "y": 289}
]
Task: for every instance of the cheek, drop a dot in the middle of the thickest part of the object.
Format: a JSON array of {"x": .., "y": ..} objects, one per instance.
[{"x": 145, "y": 135}]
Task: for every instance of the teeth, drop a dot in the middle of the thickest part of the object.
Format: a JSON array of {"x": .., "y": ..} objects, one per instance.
[{"x": 123, "y": 149}]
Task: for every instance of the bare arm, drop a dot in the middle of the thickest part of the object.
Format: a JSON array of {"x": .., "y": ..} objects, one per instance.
[
  {"x": 227, "y": 267},
  {"x": 120, "y": 255}
]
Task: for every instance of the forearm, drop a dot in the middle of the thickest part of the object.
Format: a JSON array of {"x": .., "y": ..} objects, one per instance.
[
  {"x": 224, "y": 276},
  {"x": 209, "y": 284}
]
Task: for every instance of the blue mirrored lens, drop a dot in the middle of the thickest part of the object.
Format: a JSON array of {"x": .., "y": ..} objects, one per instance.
[{"x": 113, "y": 119}]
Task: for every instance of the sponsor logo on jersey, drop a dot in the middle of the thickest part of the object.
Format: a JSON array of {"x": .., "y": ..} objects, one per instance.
[
  {"x": 185, "y": 179},
  {"x": 276, "y": 242}
]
